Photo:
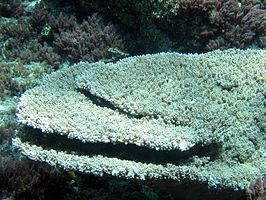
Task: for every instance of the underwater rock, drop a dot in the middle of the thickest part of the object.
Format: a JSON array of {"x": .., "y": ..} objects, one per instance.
[{"x": 160, "y": 116}]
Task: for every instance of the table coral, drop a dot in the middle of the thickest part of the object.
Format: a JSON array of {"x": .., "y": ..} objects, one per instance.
[{"x": 160, "y": 116}]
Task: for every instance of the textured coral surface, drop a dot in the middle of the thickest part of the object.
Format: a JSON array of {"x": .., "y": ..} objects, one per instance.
[
  {"x": 84, "y": 103},
  {"x": 196, "y": 129}
]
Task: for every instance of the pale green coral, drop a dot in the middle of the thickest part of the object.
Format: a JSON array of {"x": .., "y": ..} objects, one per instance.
[
  {"x": 165, "y": 101},
  {"x": 165, "y": 7}
]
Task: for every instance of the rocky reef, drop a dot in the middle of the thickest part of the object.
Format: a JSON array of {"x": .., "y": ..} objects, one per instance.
[{"x": 200, "y": 126}]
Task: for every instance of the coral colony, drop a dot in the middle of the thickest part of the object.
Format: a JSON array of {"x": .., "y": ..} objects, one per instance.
[
  {"x": 165, "y": 103},
  {"x": 105, "y": 99}
]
